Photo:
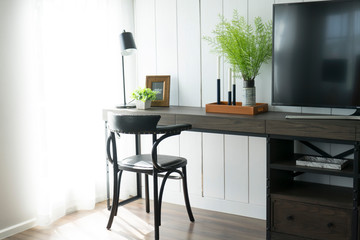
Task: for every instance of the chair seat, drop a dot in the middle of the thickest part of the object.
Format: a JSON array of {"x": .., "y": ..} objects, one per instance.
[{"x": 143, "y": 163}]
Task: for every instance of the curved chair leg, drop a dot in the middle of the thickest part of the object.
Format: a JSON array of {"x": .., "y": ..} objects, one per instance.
[
  {"x": 186, "y": 195},
  {"x": 161, "y": 193},
  {"x": 115, "y": 201},
  {"x": 118, "y": 191},
  {"x": 156, "y": 206},
  {"x": 147, "y": 201}
]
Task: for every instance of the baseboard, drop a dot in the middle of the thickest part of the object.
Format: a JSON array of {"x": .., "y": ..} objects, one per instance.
[{"x": 20, "y": 227}]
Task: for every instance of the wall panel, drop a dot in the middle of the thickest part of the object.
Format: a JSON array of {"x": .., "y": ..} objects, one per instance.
[
  {"x": 210, "y": 11},
  {"x": 213, "y": 165},
  {"x": 191, "y": 149},
  {"x": 263, "y": 9},
  {"x": 166, "y": 44},
  {"x": 125, "y": 147},
  {"x": 170, "y": 146},
  {"x": 242, "y": 8},
  {"x": 257, "y": 170},
  {"x": 145, "y": 39},
  {"x": 188, "y": 18},
  {"x": 236, "y": 168}
]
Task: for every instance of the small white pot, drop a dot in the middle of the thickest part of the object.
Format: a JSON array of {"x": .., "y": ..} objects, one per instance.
[
  {"x": 249, "y": 96},
  {"x": 143, "y": 105},
  {"x": 249, "y": 93}
]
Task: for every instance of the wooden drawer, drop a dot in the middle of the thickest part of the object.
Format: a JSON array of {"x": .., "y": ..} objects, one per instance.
[
  {"x": 312, "y": 221},
  {"x": 283, "y": 236}
]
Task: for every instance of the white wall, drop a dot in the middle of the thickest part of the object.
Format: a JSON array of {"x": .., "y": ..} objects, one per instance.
[
  {"x": 227, "y": 172},
  {"x": 17, "y": 142},
  {"x": 170, "y": 41},
  {"x": 224, "y": 173},
  {"x": 169, "y": 36}
]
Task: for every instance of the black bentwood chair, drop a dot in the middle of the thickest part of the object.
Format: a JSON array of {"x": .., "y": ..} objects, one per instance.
[{"x": 149, "y": 164}]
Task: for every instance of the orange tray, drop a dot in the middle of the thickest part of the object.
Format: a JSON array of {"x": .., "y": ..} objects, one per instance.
[{"x": 223, "y": 107}]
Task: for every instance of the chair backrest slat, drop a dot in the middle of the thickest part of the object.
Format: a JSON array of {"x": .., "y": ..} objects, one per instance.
[{"x": 133, "y": 124}]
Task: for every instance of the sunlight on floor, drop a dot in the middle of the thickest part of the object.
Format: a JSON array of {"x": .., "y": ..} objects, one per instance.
[{"x": 126, "y": 226}]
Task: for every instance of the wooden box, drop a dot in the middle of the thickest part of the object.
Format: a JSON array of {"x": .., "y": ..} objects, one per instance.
[{"x": 223, "y": 107}]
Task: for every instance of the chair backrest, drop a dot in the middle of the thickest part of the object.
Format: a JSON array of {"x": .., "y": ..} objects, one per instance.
[{"x": 133, "y": 124}]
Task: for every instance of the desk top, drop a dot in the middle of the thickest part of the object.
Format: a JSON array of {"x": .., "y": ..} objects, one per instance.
[{"x": 257, "y": 125}]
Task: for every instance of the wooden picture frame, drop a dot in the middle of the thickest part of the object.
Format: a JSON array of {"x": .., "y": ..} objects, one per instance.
[{"x": 160, "y": 84}]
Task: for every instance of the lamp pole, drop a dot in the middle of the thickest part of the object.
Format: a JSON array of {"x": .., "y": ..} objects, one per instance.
[
  {"x": 123, "y": 73},
  {"x": 128, "y": 47}
]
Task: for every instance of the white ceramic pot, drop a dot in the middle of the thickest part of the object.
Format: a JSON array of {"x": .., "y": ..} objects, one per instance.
[
  {"x": 249, "y": 94},
  {"x": 143, "y": 105}
]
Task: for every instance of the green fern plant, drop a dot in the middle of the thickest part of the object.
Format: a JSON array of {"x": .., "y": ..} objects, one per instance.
[
  {"x": 244, "y": 47},
  {"x": 144, "y": 94}
]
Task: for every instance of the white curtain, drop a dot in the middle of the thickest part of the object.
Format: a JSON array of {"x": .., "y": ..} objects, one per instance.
[{"x": 76, "y": 68}]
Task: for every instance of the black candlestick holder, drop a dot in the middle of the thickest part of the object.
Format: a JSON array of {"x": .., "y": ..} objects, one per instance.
[
  {"x": 234, "y": 94},
  {"x": 218, "y": 91}
]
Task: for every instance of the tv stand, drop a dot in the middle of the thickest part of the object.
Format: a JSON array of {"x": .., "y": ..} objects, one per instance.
[
  {"x": 354, "y": 116},
  {"x": 295, "y": 209},
  {"x": 323, "y": 117},
  {"x": 356, "y": 113}
]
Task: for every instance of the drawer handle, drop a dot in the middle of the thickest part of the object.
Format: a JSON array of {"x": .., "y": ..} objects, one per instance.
[
  {"x": 330, "y": 225},
  {"x": 290, "y": 218}
]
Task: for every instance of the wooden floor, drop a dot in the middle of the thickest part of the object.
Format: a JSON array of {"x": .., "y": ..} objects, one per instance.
[{"x": 133, "y": 223}]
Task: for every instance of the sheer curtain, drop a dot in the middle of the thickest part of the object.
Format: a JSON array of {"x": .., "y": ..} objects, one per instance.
[{"x": 77, "y": 71}]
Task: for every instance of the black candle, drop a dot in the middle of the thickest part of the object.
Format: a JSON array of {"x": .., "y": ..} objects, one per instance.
[
  {"x": 234, "y": 94},
  {"x": 218, "y": 91}
]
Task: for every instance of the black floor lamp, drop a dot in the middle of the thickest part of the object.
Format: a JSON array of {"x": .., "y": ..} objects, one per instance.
[{"x": 128, "y": 47}]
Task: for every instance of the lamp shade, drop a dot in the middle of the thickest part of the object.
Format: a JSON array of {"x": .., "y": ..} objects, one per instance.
[{"x": 127, "y": 43}]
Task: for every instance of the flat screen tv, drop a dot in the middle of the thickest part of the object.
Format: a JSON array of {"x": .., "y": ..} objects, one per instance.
[{"x": 316, "y": 54}]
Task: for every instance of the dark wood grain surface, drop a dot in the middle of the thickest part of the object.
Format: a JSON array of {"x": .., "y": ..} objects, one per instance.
[
  {"x": 311, "y": 221},
  {"x": 263, "y": 124}
]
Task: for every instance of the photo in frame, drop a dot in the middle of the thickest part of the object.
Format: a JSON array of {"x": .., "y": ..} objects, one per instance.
[{"x": 161, "y": 84}]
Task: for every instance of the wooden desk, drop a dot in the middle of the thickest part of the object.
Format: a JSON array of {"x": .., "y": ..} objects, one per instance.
[
  {"x": 284, "y": 192},
  {"x": 258, "y": 125}
]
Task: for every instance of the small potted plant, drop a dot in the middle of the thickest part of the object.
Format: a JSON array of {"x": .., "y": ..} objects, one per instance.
[
  {"x": 143, "y": 97},
  {"x": 246, "y": 47}
]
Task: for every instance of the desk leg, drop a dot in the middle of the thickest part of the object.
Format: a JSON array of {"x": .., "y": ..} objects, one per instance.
[
  {"x": 107, "y": 171},
  {"x": 138, "y": 175}
]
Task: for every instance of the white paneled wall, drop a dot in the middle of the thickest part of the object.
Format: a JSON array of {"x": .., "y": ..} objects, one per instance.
[
  {"x": 166, "y": 44},
  {"x": 213, "y": 165},
  {"x": 237, "y": 168},
  {"x": 145, "y": 36},
  {"x": 126, "y": 147},
  {"x": 257, "y": 170},
  {"x": 226, "y": 172},
  {"x": 210, "y": 11},
  {"x": 188, "y": 17},
  {"x": 191, "y": 149},
  {"x": 169, "y": 36}
]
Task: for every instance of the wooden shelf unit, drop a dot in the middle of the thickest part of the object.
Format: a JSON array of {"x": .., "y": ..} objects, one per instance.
[
  {"x": 308, "y": 210},
  {"x": 290, "y": 165}
]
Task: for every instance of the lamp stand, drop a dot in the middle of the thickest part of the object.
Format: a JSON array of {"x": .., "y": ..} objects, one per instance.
[{"x": 124, "y": 92}]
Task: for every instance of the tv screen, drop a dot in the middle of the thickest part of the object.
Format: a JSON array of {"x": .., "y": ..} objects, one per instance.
[{"x": 316, "y": 54}]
